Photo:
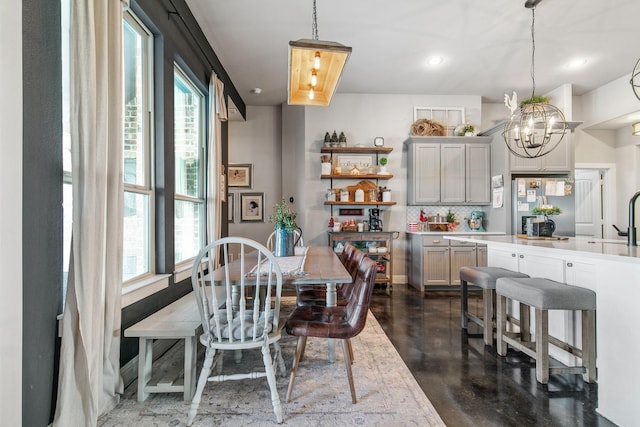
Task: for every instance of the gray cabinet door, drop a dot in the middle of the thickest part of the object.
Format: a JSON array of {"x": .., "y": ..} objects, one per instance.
[
  {"x": 424, "y": 174},
  {"x": 461, "y": 257},
  {"x": 452, "y": 162},
  {"x": 558, "y": 160},
  {"x": 435, "y": 261},
  {"x": 478, "y": 180}
]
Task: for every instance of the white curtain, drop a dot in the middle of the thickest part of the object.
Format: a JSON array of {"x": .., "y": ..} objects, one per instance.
[
  {"x": 217, "y": 114},
  {"x": 89, "y": 378}
]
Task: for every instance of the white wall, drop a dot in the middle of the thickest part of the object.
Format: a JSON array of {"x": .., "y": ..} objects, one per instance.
[
  {"x": 11, "y": 215},
  {"x": 628, "y": 178},
  {"x": 257, "y": 141},
  {"x": 362, "y": 117}
]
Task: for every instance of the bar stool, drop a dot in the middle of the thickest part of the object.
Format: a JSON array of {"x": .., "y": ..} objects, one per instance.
[
  {"x": 484, "y": 277},
  {"x": 545, "y": 295}
]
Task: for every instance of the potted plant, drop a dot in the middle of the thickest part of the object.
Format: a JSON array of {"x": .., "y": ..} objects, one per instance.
[
  {"x": 451, "y": 221},
  {"x": 284, "y": 220},
  {"x": 546, "y": 210},
  {"x": 383, "y": 166},
  {"x": 536, "y": 99},
  {"x": 468, "y": 130}
]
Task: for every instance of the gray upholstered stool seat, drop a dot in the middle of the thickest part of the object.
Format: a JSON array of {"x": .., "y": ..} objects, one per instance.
[
  {"x": 484, "y": 277},
  {"x": 543, "y": 295}
]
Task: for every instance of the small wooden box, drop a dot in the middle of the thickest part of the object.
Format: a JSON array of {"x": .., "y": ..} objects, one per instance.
[{"x": 438, "y": 226}]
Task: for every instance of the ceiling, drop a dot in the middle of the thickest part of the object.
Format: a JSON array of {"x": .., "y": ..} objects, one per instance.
[{"x": 486, "y": 45}]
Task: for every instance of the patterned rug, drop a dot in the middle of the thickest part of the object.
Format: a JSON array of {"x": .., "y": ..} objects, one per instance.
[{"x": 388, "y": 395}]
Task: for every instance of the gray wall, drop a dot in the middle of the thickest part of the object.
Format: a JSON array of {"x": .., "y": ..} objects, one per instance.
[{"x": 42, "y": 203}]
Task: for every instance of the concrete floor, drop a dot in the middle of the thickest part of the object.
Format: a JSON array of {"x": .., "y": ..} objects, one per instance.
[{"x": 468, "y": 383}]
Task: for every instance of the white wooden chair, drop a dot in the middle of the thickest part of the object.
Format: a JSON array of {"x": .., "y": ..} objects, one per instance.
[
  {"x": 231, "y": 320},
  {"x": 297, "y": 235}
]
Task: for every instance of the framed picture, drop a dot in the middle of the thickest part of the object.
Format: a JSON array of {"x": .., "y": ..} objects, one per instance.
[
  {"x": 239, "y": 176},
  {"x": 252, "y": 207},
  {"x": 231, "y": 204}
]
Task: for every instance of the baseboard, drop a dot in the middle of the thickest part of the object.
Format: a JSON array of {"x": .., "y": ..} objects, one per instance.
[{"x": 129, "y": 371}]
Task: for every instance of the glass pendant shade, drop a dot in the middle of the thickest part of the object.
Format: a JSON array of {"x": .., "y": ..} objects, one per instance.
[
  {"x": 635, "y": 129},
  {"x": 534, "y": 130}
]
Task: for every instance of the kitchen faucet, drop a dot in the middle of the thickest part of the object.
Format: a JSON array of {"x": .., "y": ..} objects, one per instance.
[{"x": 631, "y": 235}]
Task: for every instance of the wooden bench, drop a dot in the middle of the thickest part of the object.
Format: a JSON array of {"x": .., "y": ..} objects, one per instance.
[{"x": 178, "y": 320}]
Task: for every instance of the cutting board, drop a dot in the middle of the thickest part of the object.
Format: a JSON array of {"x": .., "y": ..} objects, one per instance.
[{"x": 524, "y": 236}]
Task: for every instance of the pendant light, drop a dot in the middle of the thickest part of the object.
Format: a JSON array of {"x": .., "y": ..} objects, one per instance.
[
  {"x": 536, "y": 127},
  {"x": 315, "y": 67},
  {"x": 635, "y": 79}
]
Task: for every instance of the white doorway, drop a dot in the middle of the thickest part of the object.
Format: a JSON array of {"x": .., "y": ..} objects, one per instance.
[
  {"x": 588, "y": 196},
  {"x": 593, "y": 191}
]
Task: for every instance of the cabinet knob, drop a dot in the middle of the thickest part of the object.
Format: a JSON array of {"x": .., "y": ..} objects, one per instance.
[
  {"x": 521, "y": 256},
  {"x": 513, "y": 255},
  {"x": 569, "y": 264}
]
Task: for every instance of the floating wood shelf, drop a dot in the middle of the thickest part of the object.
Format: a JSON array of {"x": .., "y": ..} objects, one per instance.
[
  {"x": 357, "y": 176},
  {"x": 353, "y": 150}
]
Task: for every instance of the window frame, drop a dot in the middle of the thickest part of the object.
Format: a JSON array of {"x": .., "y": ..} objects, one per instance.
[
  {"x": 202, "y": 169},
  {"x": 148, "y": 188}
]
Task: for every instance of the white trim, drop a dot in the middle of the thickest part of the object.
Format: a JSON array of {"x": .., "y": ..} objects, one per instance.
[{"x": 141, "y": 289}]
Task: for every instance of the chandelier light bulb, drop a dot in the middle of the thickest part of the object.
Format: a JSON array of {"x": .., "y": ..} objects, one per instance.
[
  {"x": 314, "y": 78},
  {"x": 316, "y": 61},
  {"x": 311, "y": 93}
]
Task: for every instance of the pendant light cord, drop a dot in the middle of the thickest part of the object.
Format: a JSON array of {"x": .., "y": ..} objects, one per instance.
[
  {"x": 314, "y": 25},
  {"x": 533, "y": 52}
]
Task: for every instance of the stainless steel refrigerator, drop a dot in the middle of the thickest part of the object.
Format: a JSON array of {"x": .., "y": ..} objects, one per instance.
[{"x": 531, "y": 191}]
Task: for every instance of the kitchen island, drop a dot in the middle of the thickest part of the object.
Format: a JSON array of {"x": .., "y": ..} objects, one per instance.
[{"x": 612, "y": 270}]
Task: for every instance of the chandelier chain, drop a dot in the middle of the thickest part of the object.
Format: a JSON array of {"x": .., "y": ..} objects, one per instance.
[
  {"x": 533, "y": 52},
  {"x": 314, "y": 25}
]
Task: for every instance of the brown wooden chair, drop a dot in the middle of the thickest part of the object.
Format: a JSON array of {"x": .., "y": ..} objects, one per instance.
[
  {"x": 339, "y": 322},
  {"x": 317, "y": 295}
]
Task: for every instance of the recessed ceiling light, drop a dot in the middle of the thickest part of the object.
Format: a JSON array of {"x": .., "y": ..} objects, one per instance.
[
  {"x": 577, "y": 63},
  {"x": 435, "y": 60},
  {"x": 256, "y": 91}
]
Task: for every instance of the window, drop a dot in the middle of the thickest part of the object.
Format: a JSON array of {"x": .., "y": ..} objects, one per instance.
[
  {"x": 189, "y": 139},
  {"x": 138, "y": 225}
]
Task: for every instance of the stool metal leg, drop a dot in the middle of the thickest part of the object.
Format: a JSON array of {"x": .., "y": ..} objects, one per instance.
[
  {"x": 464, "y": 303},
  {"x": 542, "y": 346}
]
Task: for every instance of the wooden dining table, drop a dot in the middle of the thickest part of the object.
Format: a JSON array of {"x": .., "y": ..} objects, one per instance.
[{"x": 320, "y": 266}]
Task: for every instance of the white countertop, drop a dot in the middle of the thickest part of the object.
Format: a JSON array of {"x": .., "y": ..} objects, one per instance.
[
  {"x": 616, "y": 250},
  {"x": 457, "y": 233}
]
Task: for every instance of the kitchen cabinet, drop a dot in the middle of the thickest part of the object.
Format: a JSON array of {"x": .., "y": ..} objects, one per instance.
[
  {"x": 435, "y": 261},
  {"x": 448, "y": 170},
  {"x": 532, "y": 264},
  {"x": 377, "y": 244},
  {"x": 561, "y": 159},
  {"x": 360, "y": 176}
]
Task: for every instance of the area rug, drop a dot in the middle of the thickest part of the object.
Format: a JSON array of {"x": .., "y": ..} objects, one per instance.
[{"x": 388, "y": 395}]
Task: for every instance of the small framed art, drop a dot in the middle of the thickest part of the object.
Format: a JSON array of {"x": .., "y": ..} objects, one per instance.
[
  {"x": 252, "y": 207},
  {"x": 239, "y": 176}
]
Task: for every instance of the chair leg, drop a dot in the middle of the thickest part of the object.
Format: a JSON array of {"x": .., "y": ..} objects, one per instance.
[
  {"x": 279, "y": 359},
  {"x": 542, "y": 346},
  {"x": 202, "y": 381},
  {"x": 488, "y": 299},
  {"x": 304, "y": 345},
  {"x": 271, "y": 379},
  {"x": 464, "y": 303},
  {"x": 302, "y": 341},
  {"x": 347, "y": 363},
  {"x": 350, "y": 350},
  {"x": 525, "y": 323},
  {"x": 501, "y": 325}
]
